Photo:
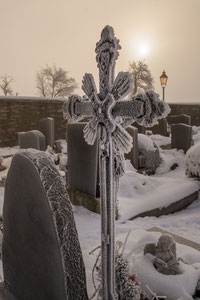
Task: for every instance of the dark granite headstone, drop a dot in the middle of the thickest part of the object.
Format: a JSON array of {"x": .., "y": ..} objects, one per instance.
[
  {"x": 181, "y": 136},
  {"x": 32, "y": 139},
  {"x": 141, "y": 129},
  {"x": 133, "y": 154},
  {"x": 82, "y": 161},
  {"x": 41, "y": 253},
  {"x": 182, "y": 118},
  {"x": 160, "y": 128},
  {"x": 48, "y": 129}
]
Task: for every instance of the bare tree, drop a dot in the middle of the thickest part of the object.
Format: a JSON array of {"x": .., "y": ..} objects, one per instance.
[
  {"x": 5, "y": 84},
  {"x": 142, "y": 77},
  {"x": 54, "y": 82}
]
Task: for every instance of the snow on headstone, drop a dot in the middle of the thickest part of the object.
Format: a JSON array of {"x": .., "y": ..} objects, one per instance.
[{"x": 41, "y": 253}]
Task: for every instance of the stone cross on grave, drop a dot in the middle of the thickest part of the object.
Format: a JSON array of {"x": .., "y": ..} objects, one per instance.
[{"x": 110, "y": 114}]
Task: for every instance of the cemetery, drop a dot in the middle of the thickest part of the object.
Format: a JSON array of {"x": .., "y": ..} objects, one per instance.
[{"x": 105, "y": 205}]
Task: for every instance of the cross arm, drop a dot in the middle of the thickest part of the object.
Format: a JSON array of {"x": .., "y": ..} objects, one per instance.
[
  {"x": 76, "y": 108},
  {"x": 145, "y": 108}
]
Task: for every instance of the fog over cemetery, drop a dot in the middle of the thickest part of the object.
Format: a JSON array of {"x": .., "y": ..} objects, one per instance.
[{"x": 99, "y": 189}]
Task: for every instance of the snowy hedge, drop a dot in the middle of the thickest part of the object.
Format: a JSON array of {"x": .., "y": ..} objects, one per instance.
[{"x": 192, "y": 162}]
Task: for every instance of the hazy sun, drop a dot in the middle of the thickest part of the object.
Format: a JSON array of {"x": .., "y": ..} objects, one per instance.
[
  {"x": 140, "y": 48},
  {"x": 143, "y": 49}
]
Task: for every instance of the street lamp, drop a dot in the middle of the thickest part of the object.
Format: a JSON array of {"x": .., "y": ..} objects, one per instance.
[{"x": 163, "y": 81}]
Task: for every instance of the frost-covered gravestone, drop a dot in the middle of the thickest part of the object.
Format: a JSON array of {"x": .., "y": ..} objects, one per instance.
[
  {"x": 32, "y": 139},
  {"x": 110, "y": 115},
  {"x": 181, "y": 136},
  {"x": 133, "y": 154},
  {"x": 47, "y": 127},
  {"x": 149, "y": 151},
  {"x": 41, "y": 253},
  {"x": 82, "y": 161}
]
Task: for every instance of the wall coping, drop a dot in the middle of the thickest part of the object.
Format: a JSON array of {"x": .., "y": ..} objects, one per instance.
[
  {"x": 31, "y": 99},
  {"x": 62, "y": 100},
  {"x": 184, "y": 103}
]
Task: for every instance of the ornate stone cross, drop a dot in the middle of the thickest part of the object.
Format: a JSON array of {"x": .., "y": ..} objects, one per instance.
[{"x": 110, "y": 114}]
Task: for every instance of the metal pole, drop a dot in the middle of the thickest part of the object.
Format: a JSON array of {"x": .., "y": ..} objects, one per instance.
[{"x": 163, "y": 93}]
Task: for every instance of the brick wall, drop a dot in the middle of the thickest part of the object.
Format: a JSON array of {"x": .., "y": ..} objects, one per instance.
[{"x": 24, "y": 113}]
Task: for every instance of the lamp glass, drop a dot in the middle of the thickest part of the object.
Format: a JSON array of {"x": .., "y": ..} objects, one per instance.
[{"x": 163, "y": 79}]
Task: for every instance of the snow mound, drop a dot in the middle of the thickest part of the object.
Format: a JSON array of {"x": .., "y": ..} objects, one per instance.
[
  {"x": 192, "y": 162},
  {"x": 145, "y": 142},
  {"x": 139, "y": 193},
  {"x": 160, "y": 140},
  {"x": 173, "y": 286}
]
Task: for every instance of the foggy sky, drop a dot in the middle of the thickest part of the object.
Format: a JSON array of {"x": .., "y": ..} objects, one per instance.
[{"x": 63, "y": 32}]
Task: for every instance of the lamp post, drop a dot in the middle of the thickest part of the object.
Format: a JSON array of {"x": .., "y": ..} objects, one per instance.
[{"x": 163, "y": 81}]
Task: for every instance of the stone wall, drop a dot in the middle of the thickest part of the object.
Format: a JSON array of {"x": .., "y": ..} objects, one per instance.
[
  {"x": 192, "y": 109},
  {"x": 24, "y": 113}
]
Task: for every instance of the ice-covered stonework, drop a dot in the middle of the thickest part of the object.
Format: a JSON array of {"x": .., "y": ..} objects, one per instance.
[{"x": 42, "y": 258}]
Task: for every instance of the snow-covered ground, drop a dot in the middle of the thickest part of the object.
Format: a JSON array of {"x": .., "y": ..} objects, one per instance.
[{"x": 138, "y": 192}]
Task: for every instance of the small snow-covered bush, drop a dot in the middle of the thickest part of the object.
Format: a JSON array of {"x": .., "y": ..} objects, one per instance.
[{"x": 192, "y": 162}]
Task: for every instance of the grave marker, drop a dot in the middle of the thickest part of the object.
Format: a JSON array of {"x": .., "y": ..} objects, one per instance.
[
  {"x": 133, "y": 154},
  {"x": 160, "y": 128},
  {"x": 110, "y": 117},
  {"x": 32, "y": 139},
  {"x": 181, "y": 136},
  {"x": 41, "y": 254},
  {"x": 47, "y": 127},
  {"x": 82, "y": 169},
  {"x": 182, "y": 118}
]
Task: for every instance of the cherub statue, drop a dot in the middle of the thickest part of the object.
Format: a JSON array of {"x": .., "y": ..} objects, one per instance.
[{"x": 165, "y": 260}]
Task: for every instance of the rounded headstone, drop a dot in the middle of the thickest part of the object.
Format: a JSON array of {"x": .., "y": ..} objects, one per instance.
[{"x": 41, "y": 253}]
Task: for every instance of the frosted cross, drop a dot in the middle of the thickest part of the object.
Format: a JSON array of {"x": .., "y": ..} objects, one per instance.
[{"x": 110, "y": 114}]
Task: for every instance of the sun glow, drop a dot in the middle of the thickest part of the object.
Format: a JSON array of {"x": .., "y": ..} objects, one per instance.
[
  {"x": 143, "y": 49},
  {"x": 140, "y": 48}
]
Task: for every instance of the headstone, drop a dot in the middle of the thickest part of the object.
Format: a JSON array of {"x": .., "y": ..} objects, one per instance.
[
  {"x": 32, "y": 139},
  {"x": 181, "y": 136},
  {"x": 141, "y": 128},
  {"x": 41, "y": 253},
  {"x": 133, "y": 154},
  {"x": 160, "y": 128},
  {"x": 182, "y": 118},
  {"x": 82, "y": 161},
  {"x": 149, "y": 156},
  {"x": 48, "y": 129}
]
